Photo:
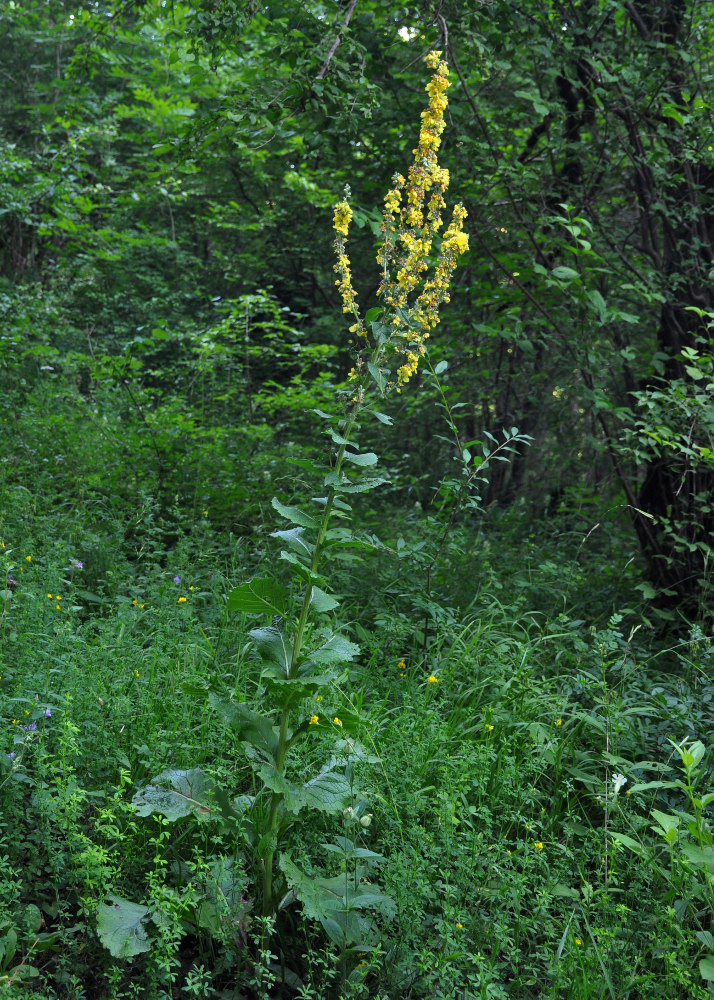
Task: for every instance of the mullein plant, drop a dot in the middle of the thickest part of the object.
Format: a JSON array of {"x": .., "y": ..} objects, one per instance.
[
  {"x": 301, "y": 661},
  {"x": 302, "y": 651}
]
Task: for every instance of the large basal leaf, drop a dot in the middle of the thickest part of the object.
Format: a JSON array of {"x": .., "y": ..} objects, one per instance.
[
  {"x": 120, "y": 927},
  {"x": 261, "y": 595},
  {"x": 175, "y": 794}
]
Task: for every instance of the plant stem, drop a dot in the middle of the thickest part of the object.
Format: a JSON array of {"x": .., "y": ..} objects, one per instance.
[{"x": 276, "y": 797}]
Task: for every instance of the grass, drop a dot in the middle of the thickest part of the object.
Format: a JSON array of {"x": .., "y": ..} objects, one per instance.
[{"x": 488, "y": 792}]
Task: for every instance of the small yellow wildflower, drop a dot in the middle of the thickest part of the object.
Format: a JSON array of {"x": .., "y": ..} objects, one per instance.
[
  {"x": 135, "y": 601},
  {"x": 318, "y": 697},
  {"x": 28, "y": 558},
  {"x": 136, "y": 673},
  {"x": 14, "y": 722},
  {"x": 337, "y": 721},
  {"x": 402, "y": 665},
  {"x": 190, "y": 588},
  {"x": 559, "y": 722},
  {"x": 489, "y": 728},
  {"x": 314, "y": 719},
  {"x": 538, "y": 845},
  {"x": 433, "y": 680},
  {"x": 50, "y": 596},
  {"x": 181, "y": 600},
  {"x": 27, "y": 711},
  {"x": 459, "y": 925},
  {"x": 58, "y": 607},
  {"x": 578, "y": 942}
]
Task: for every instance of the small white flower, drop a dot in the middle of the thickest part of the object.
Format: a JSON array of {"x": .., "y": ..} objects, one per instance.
[{"x": 618, "y": 782}]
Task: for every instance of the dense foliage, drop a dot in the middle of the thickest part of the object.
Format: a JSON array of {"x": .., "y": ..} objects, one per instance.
[{"x": 455, "y": 741}]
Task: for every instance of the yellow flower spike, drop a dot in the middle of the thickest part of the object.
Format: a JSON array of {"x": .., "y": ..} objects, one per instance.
[
  {"x": 538, "y": 845},
  {"x": 314, "y": 719},
  {"x": 181, "y": 600}
]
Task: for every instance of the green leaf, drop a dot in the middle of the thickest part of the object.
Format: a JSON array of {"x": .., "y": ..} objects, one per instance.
[
  {"x": 294, "y": 514},
  {"x": 379, "y": 378},
  {"x": 322, "y": 602},
  {"x": 120, "y": 927},
  {"x": 329, "y": 792},
  {"x": 382, "y": 417},
  {"x": 175, "y": 794},
  {"x": 441, "y": 367},
  {"x": 369, "y": 458},
  {"x": 564, "y": 273},
  {"x": 272, "y": 646},
  {"x": 706, "y": 967},
  {"x": 363, "y": 486},
  {"x": 626, "y": 841},
  {"x": 251, "y": 727},
  {"x": 262, "y": 595},
  {"x": 702, "y": 857},
  {"x": 294, "y": 538},
  {"x": 336, "y": 649}
]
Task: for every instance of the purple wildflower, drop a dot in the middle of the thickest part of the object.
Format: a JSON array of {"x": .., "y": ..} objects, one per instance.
[
  {"x": 177, "y": 579},
  {"x": 48, "y": 714},
  {"x": 12, "y": 755},
  {"x": 76, "y": 564},
  {"x": 31, "y": 728}
]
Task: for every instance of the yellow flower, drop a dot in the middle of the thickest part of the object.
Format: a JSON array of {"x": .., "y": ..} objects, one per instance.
[
  {"x": 14, "y": 722},
  {"x": 489, "y": 728},
  {"x": 433, "y": 680},
  {"x": 337, "y": 721},
  {"x": 459, "y": 925},
  {"x": 58, "y": 607},
  {"x": 190, "y": 588},
  {"x": 136, "y": 673},
  {"x": 402, "y": 665},
  {"x": 538, "y": 845},
  {"x": 313, "y": 719},
  {"x": 181, "y": 600},
  {"x": 578, "y": 942},
  {"x": 559, "y": 722},
  {"x": 50, "y": 596},
  {"x": 343, "y": 217},
  {"x": 28, "y": 558}
]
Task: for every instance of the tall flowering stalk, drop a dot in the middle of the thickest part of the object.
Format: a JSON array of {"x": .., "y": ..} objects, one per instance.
[
  {"x": 301, "y": 658},
  {"x": 411, "y": 222}
]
